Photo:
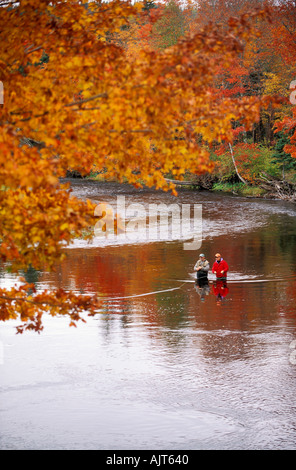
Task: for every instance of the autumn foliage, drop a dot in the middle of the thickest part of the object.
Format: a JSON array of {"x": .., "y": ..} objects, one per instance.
[{"x": 95, "y": 86}]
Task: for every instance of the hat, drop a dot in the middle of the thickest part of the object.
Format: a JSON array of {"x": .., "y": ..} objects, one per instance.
[{"x": 202, "y": 255}]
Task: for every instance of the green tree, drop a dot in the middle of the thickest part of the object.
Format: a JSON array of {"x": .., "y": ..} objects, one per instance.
[
  {"x": 170, "y": 26},
  {"x": 283, "y": 159}
]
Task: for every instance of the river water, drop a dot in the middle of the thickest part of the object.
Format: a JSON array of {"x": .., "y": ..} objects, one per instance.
[{"x": 164, "y": 364}]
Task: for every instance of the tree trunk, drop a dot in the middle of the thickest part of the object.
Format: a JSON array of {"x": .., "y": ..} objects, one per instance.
[{"x": 232, "y": 156}]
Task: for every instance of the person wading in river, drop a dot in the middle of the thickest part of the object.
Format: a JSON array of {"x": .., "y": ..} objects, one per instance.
[
  {"x": 220, "y": 267},
  {"x": 202, "y": 267}
]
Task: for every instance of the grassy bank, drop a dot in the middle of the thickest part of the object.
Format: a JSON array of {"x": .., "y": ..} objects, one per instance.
[
  {"x": 251, "y": 170},
  {"x": 240, "y": 189}
]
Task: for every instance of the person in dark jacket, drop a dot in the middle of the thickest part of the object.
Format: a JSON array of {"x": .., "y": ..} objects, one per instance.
[
  {"x": 220, "y": 267},
  {"x": 202, "y": 267}
]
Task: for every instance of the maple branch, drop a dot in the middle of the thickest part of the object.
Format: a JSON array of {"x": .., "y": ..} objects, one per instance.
[
  {"x": 100, "y": 95},
  {"x": 28, "y": 118},
  {"x": 12, "y": 299},
  {"x": 88, "y": 124},
  {"x": 290, "y": 32},
  {"x": 90, "y": 109},
  {"x": 28, "y": 51},
  {"x": 36, "y": 302},
  {"x": 145, "y": 131}
]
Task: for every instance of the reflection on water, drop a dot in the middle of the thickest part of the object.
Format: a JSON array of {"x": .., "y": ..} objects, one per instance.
[
  {"x": 167, "y": 363},
  {"x": 202, "y": 287}
]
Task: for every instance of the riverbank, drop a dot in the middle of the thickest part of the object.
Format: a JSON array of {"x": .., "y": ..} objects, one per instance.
[
  {"x": 267, "y": 187},
  {"x": 270, "y": 188}
]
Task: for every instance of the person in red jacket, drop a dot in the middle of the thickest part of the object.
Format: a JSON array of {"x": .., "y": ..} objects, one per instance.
[{"x": 220, "y": 267}]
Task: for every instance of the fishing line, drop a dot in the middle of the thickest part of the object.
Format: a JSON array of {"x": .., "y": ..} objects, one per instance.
[
  {"x": 235, "y": 281},
  {"x": 141, "y": 295},
  {"x": 184, "y": 281}
]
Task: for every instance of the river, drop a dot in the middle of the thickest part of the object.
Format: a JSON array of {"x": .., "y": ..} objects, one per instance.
[{"x": 163, "y": 364}]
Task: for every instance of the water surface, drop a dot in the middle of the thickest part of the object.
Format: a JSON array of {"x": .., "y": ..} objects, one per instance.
[{"x": 163, "y": 364}]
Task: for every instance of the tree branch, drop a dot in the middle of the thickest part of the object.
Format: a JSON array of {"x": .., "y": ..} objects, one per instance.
[
  {"x": 101, "y": 95},
  {"x": 28, "y": 51}
]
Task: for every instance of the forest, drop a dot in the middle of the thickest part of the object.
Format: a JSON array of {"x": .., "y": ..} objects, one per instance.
[{"x": 261, "y": 159}]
